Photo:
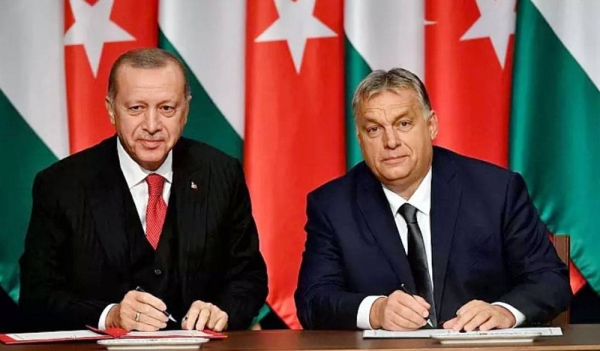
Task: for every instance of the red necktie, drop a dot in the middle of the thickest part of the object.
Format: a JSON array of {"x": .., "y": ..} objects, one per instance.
[{"x": 156, "y": 210}]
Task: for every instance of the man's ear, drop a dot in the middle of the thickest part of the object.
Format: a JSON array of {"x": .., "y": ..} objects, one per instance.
[
  {"x": 187, "y": 109},
  {"x": 110, "y": 110},
  {"x": 432, "y": 124}
]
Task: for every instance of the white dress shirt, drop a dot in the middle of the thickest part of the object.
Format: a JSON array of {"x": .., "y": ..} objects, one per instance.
[
  {"x": 421, "y": 200},
  {"x": 135, "y": 176}
]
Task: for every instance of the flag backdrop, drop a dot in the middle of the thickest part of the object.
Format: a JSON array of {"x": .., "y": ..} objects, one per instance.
[{"x": 271, "y": 82}]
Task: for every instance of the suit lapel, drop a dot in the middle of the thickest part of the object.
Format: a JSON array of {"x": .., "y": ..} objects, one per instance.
[
  {"x": 376, "y": 212},
  {"x": 445, "y": 203},
  {"x": 190, "y": 193},
  {"x": 106, "y": 201}
]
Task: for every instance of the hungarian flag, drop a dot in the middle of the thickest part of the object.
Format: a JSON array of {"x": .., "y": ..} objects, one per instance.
[
  {"x": 33, "y": 116},
  {"x": 555, "y": 122},
  {"x": 381, "y": 35},
  {"x": 209, "y": 36}
]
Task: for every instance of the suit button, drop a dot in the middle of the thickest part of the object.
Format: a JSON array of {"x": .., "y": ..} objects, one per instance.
[{"x": 157, "y": 271}]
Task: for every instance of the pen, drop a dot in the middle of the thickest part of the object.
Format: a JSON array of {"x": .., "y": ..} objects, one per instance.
[
  {"x": 405, "y": 289},
  {"x": 170, "y": 316}
]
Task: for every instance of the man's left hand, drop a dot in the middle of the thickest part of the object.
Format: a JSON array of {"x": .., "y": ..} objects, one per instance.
[
  {"x": 481, "y": 315},
  {"x": 205, "y": 315}
]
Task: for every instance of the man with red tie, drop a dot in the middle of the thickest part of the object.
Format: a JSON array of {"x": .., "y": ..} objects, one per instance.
[{"x": 145, "y": 222}]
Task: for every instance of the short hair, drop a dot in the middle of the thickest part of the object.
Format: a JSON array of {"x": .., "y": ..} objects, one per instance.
[
  {"x": 145, "y": 58},
  {"x": 393, "y": 80}
]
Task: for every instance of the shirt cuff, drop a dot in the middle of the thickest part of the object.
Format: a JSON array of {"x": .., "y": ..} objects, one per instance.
[
  {"x": 364, "y": 312},
  {"x": 102, "y": 321},
  {"x": 519, "y": 317}
]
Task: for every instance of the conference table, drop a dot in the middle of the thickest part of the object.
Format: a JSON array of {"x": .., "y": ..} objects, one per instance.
[{"x": 576, "y": 337}]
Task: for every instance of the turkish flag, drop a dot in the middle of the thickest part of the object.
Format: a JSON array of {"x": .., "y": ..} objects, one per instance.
[
  {"x": 96, "y": 34},
  {"x": 468, "y": 65},
  {"x": 294, "y": 139}
]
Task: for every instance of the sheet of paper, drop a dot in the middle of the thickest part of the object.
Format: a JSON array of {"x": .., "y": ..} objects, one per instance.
[
  {"x": 70, "y": 334},
  {"x": 427, "y": 333},
  {"x": 167, "y": 333}
]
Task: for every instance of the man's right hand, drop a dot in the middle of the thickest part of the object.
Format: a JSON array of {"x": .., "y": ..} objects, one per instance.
[
  {"x": 399, "y": 311},
  {"x": 141, "y": 306}
]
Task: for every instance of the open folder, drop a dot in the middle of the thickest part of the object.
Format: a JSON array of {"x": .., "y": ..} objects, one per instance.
[{"x": 96, "y": 334}]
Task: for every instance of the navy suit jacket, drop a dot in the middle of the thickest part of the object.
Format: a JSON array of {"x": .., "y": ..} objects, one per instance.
[{"x": 488, "y": 243}]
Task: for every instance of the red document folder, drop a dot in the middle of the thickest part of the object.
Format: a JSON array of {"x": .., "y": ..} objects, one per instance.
[{"x": 96, "y": 334}]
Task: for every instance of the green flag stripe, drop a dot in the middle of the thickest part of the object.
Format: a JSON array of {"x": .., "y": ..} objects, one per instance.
[
  {"x": 356, "y": 69},
  {"x": 206, "y": 122},
  {"x": 25, "y": 154},
  {"x": 554, "y": 143}
]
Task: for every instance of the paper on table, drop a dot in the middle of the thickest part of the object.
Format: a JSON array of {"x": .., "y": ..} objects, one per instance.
[
  {"x": 167, "y": 333},
  {"x": 186, "y": 343},
  {"x": 427, "y": 333},
  {"x": 70, "y": 334}
]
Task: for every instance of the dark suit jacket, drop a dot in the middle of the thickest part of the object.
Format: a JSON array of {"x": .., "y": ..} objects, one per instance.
[
  {"x": 76, "y": 251},
  {"x": 10, "y": 321},
  {"x": 488, "y": 243}
]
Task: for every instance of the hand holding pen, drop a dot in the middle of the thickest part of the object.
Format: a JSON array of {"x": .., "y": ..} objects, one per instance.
[
  {"x": 406, "y": 290},
  {"x": 167, "y": 314},
  {"x": 399, "y": 311},
  {"x": 137, "y": 311}
]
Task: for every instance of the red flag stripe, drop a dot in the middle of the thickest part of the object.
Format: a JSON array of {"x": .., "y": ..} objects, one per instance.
[
  {"x": 467, "y": 84},
  {"x": 88, "y": 120},
  {"x": 294, "y": 138}
]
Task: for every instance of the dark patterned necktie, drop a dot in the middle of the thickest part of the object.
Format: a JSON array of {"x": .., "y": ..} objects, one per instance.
[{"x": 417, "y": 258}]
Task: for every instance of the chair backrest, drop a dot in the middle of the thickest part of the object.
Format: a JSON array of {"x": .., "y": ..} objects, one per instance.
[{"x": 562, "y": 243}]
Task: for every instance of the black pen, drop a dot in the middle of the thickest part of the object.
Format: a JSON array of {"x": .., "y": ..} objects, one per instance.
[
  {"x": 405, "y": 289},
  {"x": 170, "y": 316}
]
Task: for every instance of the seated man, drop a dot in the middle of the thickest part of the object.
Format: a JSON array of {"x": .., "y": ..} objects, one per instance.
[
  {"x": 418, "y": 235},
  {"x": 144, "y": 222}
]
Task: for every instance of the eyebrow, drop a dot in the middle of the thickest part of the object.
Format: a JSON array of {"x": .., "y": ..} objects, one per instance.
[{"x": 395, "y": 118}]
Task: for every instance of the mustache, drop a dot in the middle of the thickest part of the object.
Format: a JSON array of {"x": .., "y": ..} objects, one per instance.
[{"x": 151, "y": 137}]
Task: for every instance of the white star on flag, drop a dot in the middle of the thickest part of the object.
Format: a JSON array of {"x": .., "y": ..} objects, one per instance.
[
  {"x": 497, "y": 21},
  {"x": 93, "y": 27},
  {"x": 296, "y": 24}
]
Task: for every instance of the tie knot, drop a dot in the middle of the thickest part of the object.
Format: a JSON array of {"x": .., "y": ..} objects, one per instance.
[
  {"x": 155, "y": 184},
  {"x": 408, "y": 212}
]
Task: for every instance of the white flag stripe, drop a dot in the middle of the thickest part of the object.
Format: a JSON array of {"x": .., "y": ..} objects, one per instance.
[
  {"x": 32, "y": 73},
  {"x": 210, "y": 36},
  {"x": 388, "y": 33},
  {"x": 576, "y": 25}
]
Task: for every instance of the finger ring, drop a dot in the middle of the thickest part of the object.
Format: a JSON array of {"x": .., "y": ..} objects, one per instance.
[{"x": 137, "y": 316}]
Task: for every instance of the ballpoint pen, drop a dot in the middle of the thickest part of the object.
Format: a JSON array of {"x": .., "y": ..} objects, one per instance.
[
  {"x": 405, "y": 289},
  {"x": 170, "y": 316}
]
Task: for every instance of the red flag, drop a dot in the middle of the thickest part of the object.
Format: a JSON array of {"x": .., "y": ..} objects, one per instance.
[
  {"x": 294, "y": 139},
  {"x": 96, "y": 33},
  {"x": 468, "y": 65}
]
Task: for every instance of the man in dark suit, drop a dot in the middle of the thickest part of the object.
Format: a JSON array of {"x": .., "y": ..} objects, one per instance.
[
  {"x": 144, "y": 222},
  {"x": 419, "y": 235}
]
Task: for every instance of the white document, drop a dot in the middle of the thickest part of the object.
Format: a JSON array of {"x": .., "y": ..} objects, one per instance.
[
  {"x": 167, "y": 333},
  {"x": 428, "y": 333},
  {"x": 186, "y": 343},
  {"x": 71, "y": 334}
]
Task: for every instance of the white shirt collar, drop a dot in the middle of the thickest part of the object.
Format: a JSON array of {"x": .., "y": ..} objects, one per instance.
[
  {"x": 421, "y": 199},
  {"x": 135, "y": 174}
]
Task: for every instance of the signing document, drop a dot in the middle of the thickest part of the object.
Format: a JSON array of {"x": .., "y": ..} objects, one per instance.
[{"x": 516, "y": 334}]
